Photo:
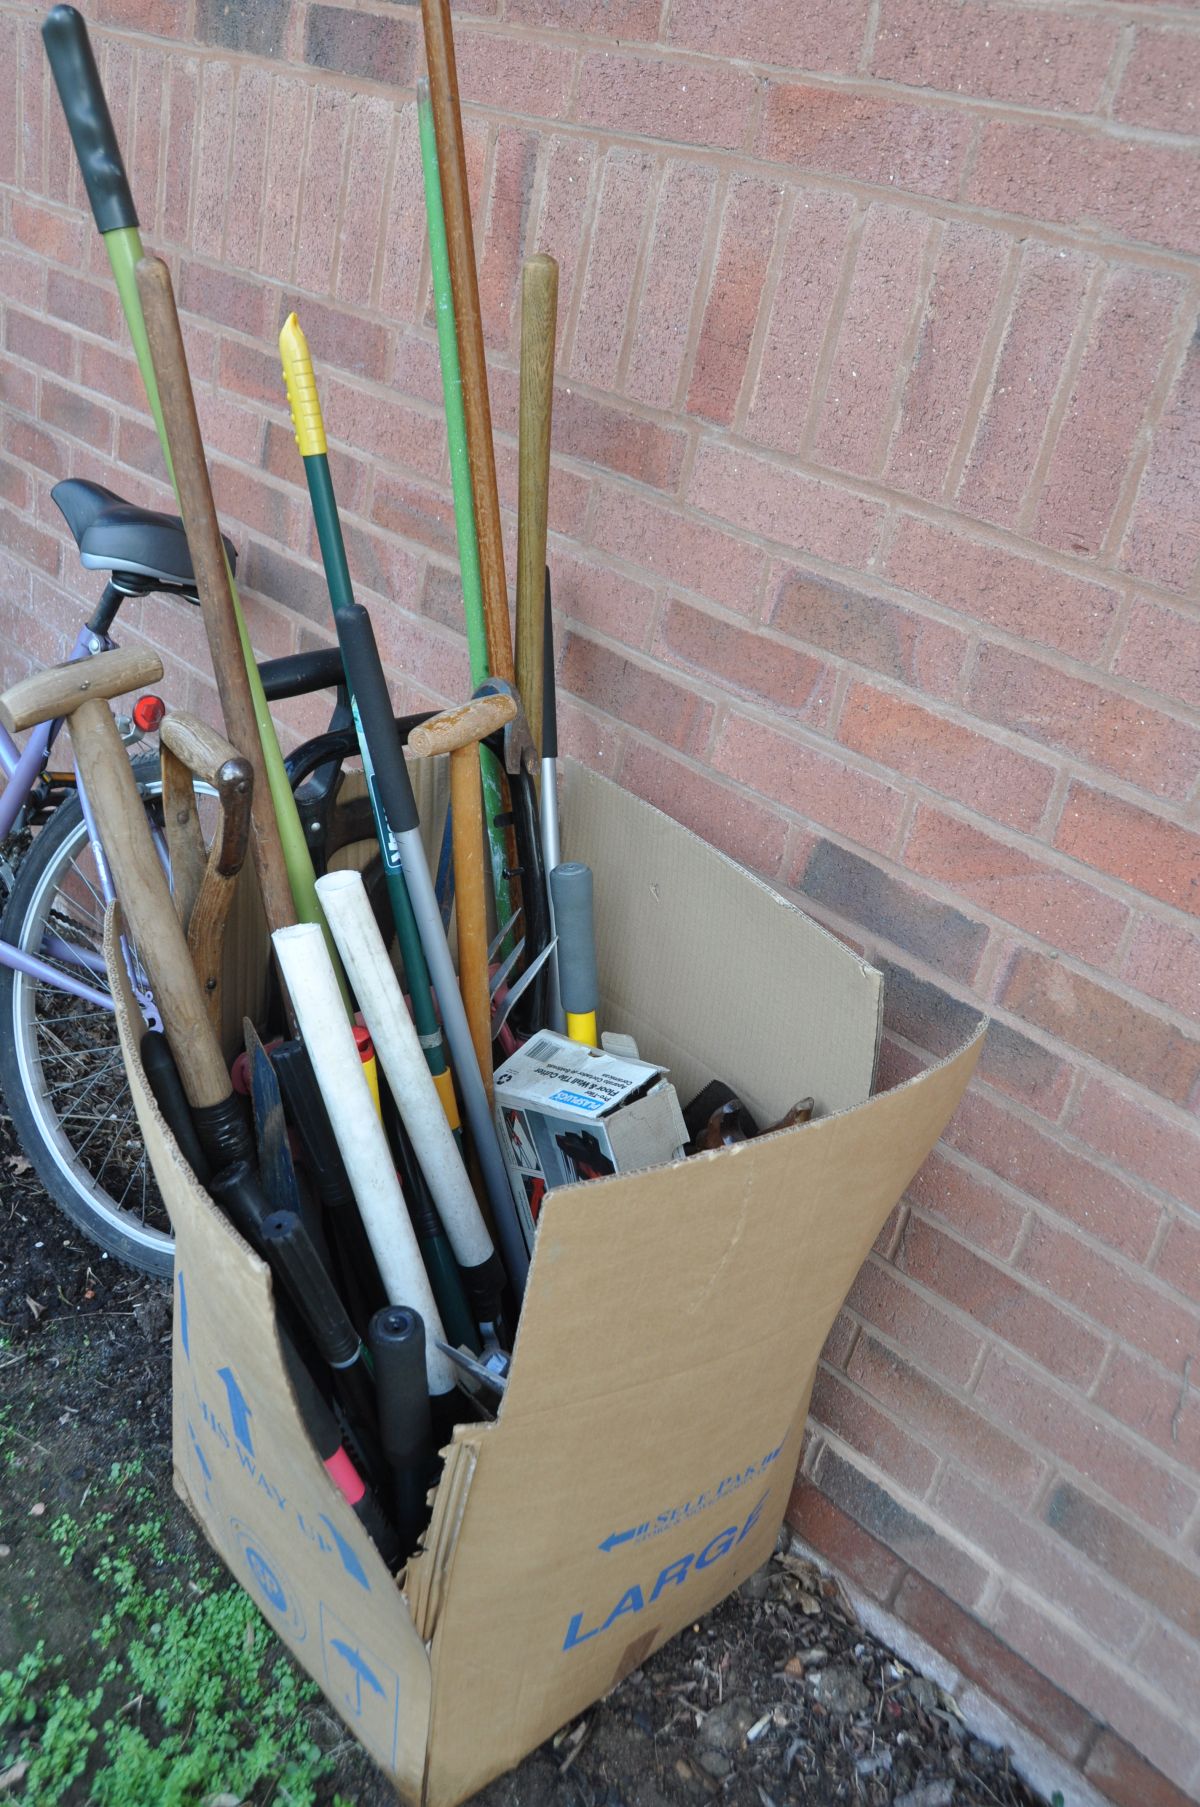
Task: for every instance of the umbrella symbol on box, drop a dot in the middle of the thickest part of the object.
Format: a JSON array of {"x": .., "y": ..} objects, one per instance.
[{"x": 363, "y": 1672}]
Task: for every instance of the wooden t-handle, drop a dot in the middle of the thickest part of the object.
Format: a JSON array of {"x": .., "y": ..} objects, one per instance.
[
  {"x": 212, "y": 575},
  {"x": 461, "y": 726},
  {"x": 539, "y": 310},
  {"x": 59, "y": 690}
]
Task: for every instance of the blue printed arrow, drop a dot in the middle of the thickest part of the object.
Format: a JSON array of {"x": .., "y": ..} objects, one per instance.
[
  {"x": 183, "y": 1318},
  {"x": 350, "y": 1562},
  {"x": 615, "y": 1538},
  {"x": 239, "y": 1412},
  {"x": 362, "y": 1672}
]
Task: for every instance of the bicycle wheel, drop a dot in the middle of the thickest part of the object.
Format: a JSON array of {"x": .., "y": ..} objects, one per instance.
[{"x": 60, "y": 1062}]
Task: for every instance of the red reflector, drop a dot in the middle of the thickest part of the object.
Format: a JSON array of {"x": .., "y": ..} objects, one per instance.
[{"x": 148, "y": 712}]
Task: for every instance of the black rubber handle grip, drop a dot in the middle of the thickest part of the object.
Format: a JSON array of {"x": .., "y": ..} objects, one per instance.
[
  {"x": 90, "y": 123},
  {"x": 373, "y": 706},
  {"x": 290, "y": 1249},
  {"x": 397, "y": 1342},
  {"x": 169, "y": 1095},
  {"x": 549, "y": 689}
]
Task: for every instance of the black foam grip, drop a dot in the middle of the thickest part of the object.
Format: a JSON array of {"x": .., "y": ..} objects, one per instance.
[
  {"x": 373, "y": 705},
  {"x": 291, "y": 1251},
  {"x": 90, "y": 123},
  {"x": 238, "y": 1191},
  {"x": 397, "y": 1342},
  {"x": 163, "y": 1077}
]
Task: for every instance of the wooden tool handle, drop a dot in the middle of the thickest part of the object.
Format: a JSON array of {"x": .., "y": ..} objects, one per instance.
[
  {"x": 456, "y": 200},
  {"x": 470, "y": 905},
  {"x": 212, "y": 574},
  {"x": 202, "y": 750},
  {"x": 59, "y": 690},
  {"x": 149, "y": 914},
  {"x": 539, "y": 312},
  {"x": 462, "y": 726}
]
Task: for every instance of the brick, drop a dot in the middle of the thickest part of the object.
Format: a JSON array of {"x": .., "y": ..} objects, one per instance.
[
  {"x": 1116, "y": 1546},
  {"x": 817, "y": 786},
  {"x": 275, "y": 513},
  {"x": 868, "y": 630},
  {"x": 15, "y": 488},
  {"x": 1171, "y": 1664},
  {"x": 1161, "y": 81},
  {"x": 610, "y": 435},
  {"x": 856, "y": 412},
  {"x": 376, "y": 47},
  {"x": 667, "y": 288},
  {"x": 233, "y": 430},
  {"x": 285, "y": 158},
  {"x": 894, "y": 732},
  {"x": 38, "y": 342},
  {"x": 622, "y": 208},
  {"x": 1003, "y": 1676},
  {"x": 414, "y": 512},
  {"x": 1158, "y": 857},
  {"x": 1178, "y": 1261},
  {"x": 105, "y": 372},
  {"x": 747, "y": 238},
  {"x": 241, "y": 303},
  {"x": 784, "y": 505},
  {"x": 627, "y": 20},
  {"x": 144, "y": 150},
  {"x": 328, "y": 132},
  {"x": 1102, "y": 1023},
  {"x": 285, "y": 579},
  {"x": 899, "y": 1528},
  {"x": 800, "y": 316},
  {"x": 75, "y": 414},
  {"x": 514, "y": 75},
  {"x": 674, "y": 101},
  {"x": 365, "y": 223},
  {"x": 33, "y": 446},
  {"x": 938, "y": 388},
  {"x": 10, "y": 55},
  {"x": 1161, "y": 649},
  {"x": 183, "y": 83},
  {"x": 57, "y": 236},
  {"x": 405, "y": 232},
  {"x": 1163, "y": 961},
  {"x": 33, "y": 82},
  {"x": 1112, "y": 392},
  {"x": 20, "y": 279},
  {"x": 28, "y": 543},
  {"x": 1037, "y": 59},
  {"x": 1163, "y": 537},
  {"x": 247, "y": 370},
  {"x": 1122, "y": 188},
  {"x": 248, "y": 197},
  {"x": 1037, "y": 1163},
  {"x": 1016, "y": 885},
  {"x": 504, "y": 223},
  {"x": 772, "y": 31},
  {"x": 254, "y": 26},
  {"x": 973, "y": 1209},
  {"x": 685, "y": 551},
  {"x": 1043, "y": 317},
  {"x": 1020, "y": 596},
  {"x": 1030, "y": 1552},
  {"x": 165, "y": 18},
  {"x": 865, "y": 137},
  {"x": 1140, "y": 1313},
  {"x": 1125, "y": 1777},
  {"x": 635, "y": 695},
  {"x": 337, "y": 337},
  {"x": 888, "y": 1301},
  {"x": 1140, "y": 1139},
  {"x": 865, "y": 1562},
  {"x": 1158, "y": 1409},
  {"x": 943, "y": 937},
  {"x": 566, "y": 174},
  {"x": 951, "y": 1426},
  {"x": 998, "y": 1301},
  {"x": 594, "y": 741},
  {"x": 853, "y": 1419},
  {"x": 607, "y": 601},
  {"x": 211, "y": 179},
  {"x": 743, "y": 661},
  {"x": 730, "y": 821},
  {"x": 383, "y": 426}
]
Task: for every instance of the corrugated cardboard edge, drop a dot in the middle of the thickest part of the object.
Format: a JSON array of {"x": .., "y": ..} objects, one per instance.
[
  {"x": 245, "y": 1466},
  {"x": 733, "y": 1267}
]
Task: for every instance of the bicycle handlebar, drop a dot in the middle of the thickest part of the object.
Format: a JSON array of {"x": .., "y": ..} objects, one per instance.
[{"x": 77, "y": 78}]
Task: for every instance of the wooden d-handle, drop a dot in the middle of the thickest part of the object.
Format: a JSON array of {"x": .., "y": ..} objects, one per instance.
[
  {"x": 60, "y": 689},
  {"x": 462, "y": 726}
]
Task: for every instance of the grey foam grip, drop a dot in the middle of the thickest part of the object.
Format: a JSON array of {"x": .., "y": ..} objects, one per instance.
[{"x": 571, "y": 890}]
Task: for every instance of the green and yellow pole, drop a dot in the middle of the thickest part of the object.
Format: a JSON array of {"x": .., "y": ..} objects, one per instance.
[
  {"x": 310, "y": 437},
  {"x": 79, "y": 87}
]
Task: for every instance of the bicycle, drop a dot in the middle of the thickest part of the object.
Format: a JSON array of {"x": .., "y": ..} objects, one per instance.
[{"x": 60, "y": 1066}]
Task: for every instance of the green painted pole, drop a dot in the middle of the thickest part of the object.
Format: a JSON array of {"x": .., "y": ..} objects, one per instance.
[{"x": 460, "y": 477}]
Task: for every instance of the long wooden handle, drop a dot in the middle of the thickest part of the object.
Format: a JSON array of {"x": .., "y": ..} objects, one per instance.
[
  {"x": 212, "y": 575},
  {"x": 539, "y": 315},
  {"x": 462, "y": 726},
  {"x": 456, "y": 200},
  {"x": 60, "y": 689},
  {"x": 470, "y": 905},
  {"x": 149, "y": 914}
]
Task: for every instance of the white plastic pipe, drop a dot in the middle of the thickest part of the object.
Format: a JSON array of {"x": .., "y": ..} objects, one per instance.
[
  {"x": 374, "y": 983},
  {"x": 309, "y": 976}
]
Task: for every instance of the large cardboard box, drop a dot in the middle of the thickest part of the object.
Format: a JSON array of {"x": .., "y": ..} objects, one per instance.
[{"x": 643, "y": 1458}]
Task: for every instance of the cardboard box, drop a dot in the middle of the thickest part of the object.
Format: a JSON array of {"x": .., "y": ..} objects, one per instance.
[{"x": 647, "y": 1444}]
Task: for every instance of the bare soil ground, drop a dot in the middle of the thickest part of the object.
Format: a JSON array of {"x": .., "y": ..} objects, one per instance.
[{"x": 133, "y": 1673}]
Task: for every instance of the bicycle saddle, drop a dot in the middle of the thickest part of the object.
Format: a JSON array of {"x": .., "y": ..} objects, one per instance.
[{"x": 113, "y": 535}]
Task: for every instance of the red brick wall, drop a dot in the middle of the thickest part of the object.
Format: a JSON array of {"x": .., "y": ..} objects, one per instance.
[{"x": 875, "y": 542}]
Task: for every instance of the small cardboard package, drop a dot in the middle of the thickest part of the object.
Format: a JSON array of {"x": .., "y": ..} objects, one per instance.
[{"x": 645, "y": 1451}]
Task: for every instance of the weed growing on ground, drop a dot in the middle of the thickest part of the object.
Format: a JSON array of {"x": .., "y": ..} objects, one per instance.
[{"x": 181, "y": 1692}]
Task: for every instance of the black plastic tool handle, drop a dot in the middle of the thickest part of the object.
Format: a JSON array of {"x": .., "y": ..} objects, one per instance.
[
  {"x": 373, "y": 705},
  {"x": 289, "y": 1248},
  {"x": 169, "y": 1095},
  {"x": 397, "y": 1342},
  {"x": 78, "y": 81}
]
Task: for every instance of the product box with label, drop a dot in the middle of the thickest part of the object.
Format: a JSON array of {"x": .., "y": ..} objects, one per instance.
[{"x": 645, "y": 1450}]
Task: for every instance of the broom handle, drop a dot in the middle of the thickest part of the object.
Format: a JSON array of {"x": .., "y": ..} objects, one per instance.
[{"x": 539, "y": 309}]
